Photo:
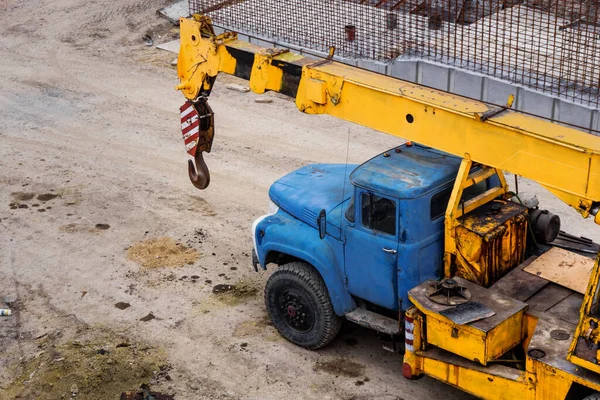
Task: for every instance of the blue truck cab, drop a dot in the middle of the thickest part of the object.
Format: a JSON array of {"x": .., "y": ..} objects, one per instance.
[{"x": 351, "y": 240}]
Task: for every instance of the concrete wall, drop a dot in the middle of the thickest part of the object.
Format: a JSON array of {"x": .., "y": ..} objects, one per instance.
[
  {"x": 466, "y": 83},
  {"x": 492, "y": 90}
]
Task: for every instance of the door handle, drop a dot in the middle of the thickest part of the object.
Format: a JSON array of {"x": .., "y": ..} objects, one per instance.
[{"x": 390, "y": 251}]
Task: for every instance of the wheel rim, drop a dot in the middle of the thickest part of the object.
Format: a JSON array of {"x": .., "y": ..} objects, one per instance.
[{"x": 296, "y": 311}]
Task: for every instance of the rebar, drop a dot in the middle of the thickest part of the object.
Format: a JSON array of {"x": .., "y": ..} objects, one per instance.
[{"x": 552, "y": 46}]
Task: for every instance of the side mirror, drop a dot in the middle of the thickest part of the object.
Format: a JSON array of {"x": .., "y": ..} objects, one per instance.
[{"x": 322, "y": 223}]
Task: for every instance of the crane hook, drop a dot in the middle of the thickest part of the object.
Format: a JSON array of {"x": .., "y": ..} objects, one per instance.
[
  {"x": 199, "y": 179},
  {"x": 198, "y": 130}
]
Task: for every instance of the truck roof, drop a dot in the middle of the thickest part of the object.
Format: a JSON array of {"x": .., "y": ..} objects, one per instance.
[{"x": 407, "y": 171}]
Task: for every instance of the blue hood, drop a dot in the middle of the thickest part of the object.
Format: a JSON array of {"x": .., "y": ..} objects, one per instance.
[{"x": 308, "y": 190}]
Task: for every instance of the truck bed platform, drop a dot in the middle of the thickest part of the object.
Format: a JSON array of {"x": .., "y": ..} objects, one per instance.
[
  {"x": 556, "y": 309},
  {"x": 540, "y": 294}
]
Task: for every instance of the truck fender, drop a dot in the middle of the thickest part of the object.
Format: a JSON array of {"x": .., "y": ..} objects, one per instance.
[
  {"x": 326, "y": 267},
  {"x": 292, "y": 237}
]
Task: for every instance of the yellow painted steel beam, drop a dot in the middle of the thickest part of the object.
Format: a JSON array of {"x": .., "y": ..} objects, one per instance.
[
  {"x": 583, "y": 350},
  {"x": 480, "y": 176},
  {"x": 563, "y": 159},
  {"x": 450, "y": 221},
  {"x": 482, "y": 384}
]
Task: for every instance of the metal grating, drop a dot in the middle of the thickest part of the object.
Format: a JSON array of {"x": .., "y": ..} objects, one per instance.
[{"x": 549, "y": 45}]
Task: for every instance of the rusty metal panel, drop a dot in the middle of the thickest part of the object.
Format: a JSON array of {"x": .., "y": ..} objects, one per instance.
[
  {"x": 551, "y": 46},
  {"x": 564, "y": 268},
  {"x": 518, "y": 284},
  {"x": 490, "y": 242},
  {"x": 549, "y": 296},
  {"x": 568, "y": 308}
]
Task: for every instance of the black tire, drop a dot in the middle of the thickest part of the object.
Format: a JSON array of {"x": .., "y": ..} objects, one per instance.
[
  {"x": 298, "y": 303},
  {"x": 593, "y": 396}
]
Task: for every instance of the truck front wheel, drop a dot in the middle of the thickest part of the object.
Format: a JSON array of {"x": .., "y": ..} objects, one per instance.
[{"x": 298, "y": 303}]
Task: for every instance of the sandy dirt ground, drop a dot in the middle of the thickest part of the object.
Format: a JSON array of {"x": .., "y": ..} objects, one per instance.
[{"x": 93, "y": 176}]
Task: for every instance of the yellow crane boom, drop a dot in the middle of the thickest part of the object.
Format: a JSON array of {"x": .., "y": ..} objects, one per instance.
[{"x": 564, "y": 160}]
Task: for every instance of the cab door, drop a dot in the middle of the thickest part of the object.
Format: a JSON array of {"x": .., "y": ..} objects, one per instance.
[{"x": 371, "y": 250}]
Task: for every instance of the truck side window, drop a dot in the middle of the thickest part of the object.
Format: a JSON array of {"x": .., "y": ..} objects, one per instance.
[
  {"x": 439, "y": 203},
  {"x": 379, "y": 213}
]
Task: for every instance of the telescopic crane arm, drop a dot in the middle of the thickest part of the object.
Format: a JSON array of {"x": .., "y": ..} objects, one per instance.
[{"x": 564, "y": 160}]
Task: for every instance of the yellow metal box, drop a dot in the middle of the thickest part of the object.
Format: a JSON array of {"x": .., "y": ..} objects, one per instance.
[
  {"x": 481, "y": 341},
  {"x": 490, "y": 242}
]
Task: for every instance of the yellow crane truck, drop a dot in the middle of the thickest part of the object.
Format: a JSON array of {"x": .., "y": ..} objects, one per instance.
[{"x": 495, "y": 324}]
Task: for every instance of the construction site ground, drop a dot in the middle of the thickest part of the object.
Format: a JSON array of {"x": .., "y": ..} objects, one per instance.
[{"x": 117, "y": 270}]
